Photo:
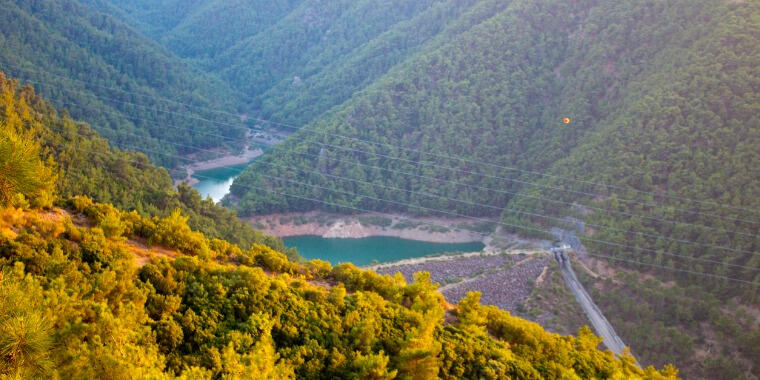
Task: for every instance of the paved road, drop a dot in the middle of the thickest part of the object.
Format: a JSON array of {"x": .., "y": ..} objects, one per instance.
[{"x": 602, "y": 327}]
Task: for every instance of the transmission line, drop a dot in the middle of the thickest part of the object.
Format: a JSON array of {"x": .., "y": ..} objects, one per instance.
[
  {"x": 456, "y": 214},
  {"x": 464, "y": 216},
  {"x": 443, "y": 166},
  {"x": 520, "y": 211},
  {"x": 663, "y": 220}
]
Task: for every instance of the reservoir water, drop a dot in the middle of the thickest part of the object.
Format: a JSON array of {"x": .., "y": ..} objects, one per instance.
[
  {"x": 362, "y": 251},
  {"x": 216, "y": 182}
]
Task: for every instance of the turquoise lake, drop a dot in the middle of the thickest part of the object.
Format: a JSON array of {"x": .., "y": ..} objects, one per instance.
[
  {"x": 362, "y": 251},
  {"x": 216, "y": 182}
]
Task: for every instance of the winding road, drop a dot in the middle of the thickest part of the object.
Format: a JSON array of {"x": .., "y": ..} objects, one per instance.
[{"x": 602, "y": 327}]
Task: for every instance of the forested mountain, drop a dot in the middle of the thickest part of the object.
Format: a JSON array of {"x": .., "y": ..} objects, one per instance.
[
  {"x": 85, "y": 164},
  {"x": 662, "y": 98},
  {"x": 417, "y": 106},
  {"x": 91, "y": 291},
  {"x": 298, "y": 59},
  {"x": 199, "y": 30},
  {"x": 106, "y": 73}
]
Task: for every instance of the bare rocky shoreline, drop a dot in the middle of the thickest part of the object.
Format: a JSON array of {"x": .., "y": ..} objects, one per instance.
[{"x": 366, "y": 225}]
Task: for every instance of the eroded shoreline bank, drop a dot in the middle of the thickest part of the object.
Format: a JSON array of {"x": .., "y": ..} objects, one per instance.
[
  {"x": 428, "y": 229},
  {"x": 367, "y": 225}
]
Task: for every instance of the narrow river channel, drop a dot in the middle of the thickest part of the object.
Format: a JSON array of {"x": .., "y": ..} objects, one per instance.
[{"x": 215, "y": 183}]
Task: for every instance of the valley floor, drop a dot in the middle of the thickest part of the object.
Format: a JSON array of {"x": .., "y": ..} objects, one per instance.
[{"x": 506, "y": 280}]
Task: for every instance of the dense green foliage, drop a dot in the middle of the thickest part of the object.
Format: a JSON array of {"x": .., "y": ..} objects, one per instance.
[
  {"x": 662, "y": 96},
  {"x": 217, "y": 311},
  {"x": 107, "y": 74},
  {"x": 90, "y": 291},
  {"x": 85, "y": 164},
  {"x": 687, "y": 125},
  {"x": 439, "y": 102},
  {"x": 664, "y": 107},
  {"x": 334, "y": 49},
  {"x": 23, "y": 175},
  {"x": 200, "y": 30},
  {"x": 680, "y": 321}
]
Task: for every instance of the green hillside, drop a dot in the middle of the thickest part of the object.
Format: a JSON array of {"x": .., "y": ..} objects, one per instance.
[
  {"x": 85, "y": 164},
  {"x": 326, "y": 84},
  {"x": 487, "y": 94},
  {"x": 333, "y": 49},
  {"x": 106, "y": 73},
  {"x": 688, "y": 127},
  {"x": 200, "y": 30},
  {"x": 90, "y": 291},
  {"x": 662, "y": 111},
  {"x": 458, "y": 106},
  {"x": 662, "y": 98}
]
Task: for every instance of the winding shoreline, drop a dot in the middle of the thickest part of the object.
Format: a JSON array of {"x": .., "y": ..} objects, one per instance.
[{"x": 449, "y": 257}]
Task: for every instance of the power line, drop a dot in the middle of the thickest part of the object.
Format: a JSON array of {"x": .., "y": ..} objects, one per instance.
[
  {"x": 523, "y": 227},
  {"x": 504, "y": 224},
  {"x": 443, "y": 166},
  {"x": 371, "y": 211},
  {"x": 675, "y": 269},
  {"x": 450, "y": 181},
  {"x": 459, "y": 158},
  {"x": 434, "y": 210},
  {"x": 462, "y": 201},
  {"x": 521, "y": 211},
  {"x": 527, "y": 182},
  {"x": 516, "y": 194}
]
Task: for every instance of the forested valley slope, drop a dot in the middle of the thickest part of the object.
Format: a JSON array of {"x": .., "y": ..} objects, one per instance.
[
  {"x": 103, "y": 71},
  {"x": 659, "y": 159},
  {"x": 91, "y": 290},
  {"x": 454, "y": 107}
]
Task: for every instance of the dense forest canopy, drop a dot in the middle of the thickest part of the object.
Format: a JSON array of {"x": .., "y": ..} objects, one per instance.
[
  {"x": 85, "y": 164},
  {"x": 91, "y": 291},
  {"x": 661, "y": 96},
  {"x": 663, "y": 102},
  {"x": 103, "y": 71},
  {"x": 457, "y": 105}
]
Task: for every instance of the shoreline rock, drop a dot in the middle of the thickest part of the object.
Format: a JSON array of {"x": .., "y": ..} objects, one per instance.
[{"x": 434, "y": 230}]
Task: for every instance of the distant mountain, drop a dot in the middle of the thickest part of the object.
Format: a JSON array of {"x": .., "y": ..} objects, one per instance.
[
  {"x": 104, "y": 71},
  {"x": 297, "y": 59},
  {"x": 200, "y": 30}
]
